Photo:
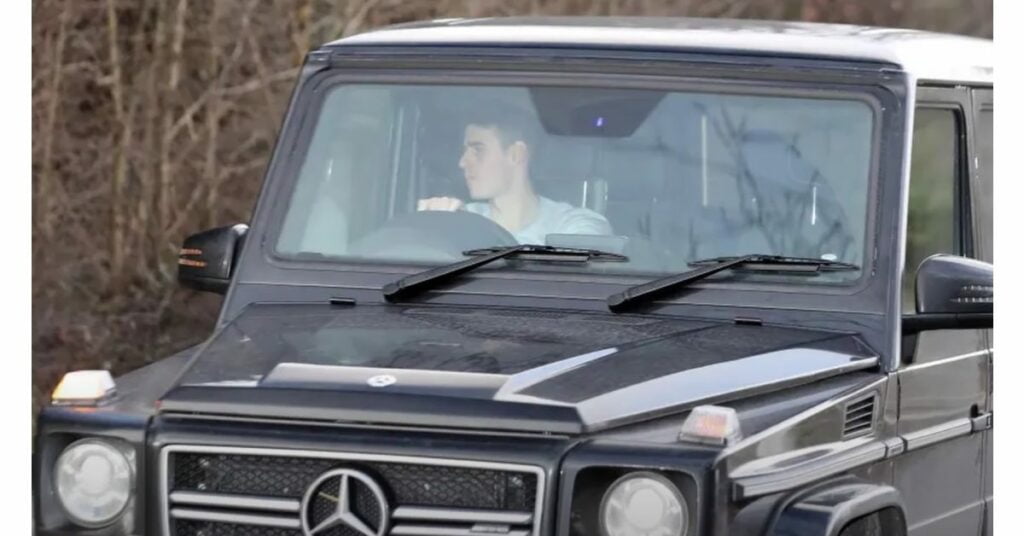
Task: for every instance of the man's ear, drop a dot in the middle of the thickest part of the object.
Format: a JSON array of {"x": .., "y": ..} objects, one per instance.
[{"x": 519, "y": 153}]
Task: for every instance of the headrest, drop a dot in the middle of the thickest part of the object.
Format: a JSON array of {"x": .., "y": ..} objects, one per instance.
[{"x": 561, "y": 158}]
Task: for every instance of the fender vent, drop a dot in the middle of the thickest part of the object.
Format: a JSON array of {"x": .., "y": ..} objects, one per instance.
[{"x": 859, "y": 416}]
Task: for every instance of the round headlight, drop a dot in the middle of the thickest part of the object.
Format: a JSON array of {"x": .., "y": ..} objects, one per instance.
[
  {"x": 643, "y": 504},
  {"x": 93, "y": 481}
]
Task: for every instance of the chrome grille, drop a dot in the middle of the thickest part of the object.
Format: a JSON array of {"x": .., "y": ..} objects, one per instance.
[
  {"x": 207, "y": 528},
  {"x": 218, "y": 490},
  {"x": 271, "y": 476}
]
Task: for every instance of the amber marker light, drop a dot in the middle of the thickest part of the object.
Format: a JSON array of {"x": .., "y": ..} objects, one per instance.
[
  {"x": 714, "y": 425},
  {"x": 83, "y": 388}
]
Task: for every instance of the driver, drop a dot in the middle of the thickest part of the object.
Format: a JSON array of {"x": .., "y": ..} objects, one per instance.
[{"x": 495, "y": 163}]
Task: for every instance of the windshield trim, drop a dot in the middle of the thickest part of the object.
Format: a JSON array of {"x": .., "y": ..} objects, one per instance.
[{"x": 871, "y": 94}]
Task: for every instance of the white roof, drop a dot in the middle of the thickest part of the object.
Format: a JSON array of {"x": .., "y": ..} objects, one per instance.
[{"x": 924, "y": 55}]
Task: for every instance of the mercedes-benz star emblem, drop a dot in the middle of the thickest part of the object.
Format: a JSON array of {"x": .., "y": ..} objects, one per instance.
[
  {"x": 382, "y": 380},
  {"x": 344, "y": 498}
]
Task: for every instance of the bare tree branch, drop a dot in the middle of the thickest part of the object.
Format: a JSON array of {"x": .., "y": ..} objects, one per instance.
[
  {"x": 117, "y": 242},
  {"x": 52, "y": 107}
]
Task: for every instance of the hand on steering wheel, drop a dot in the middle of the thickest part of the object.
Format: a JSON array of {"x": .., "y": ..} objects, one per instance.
[{"x": 450, "y": 204}]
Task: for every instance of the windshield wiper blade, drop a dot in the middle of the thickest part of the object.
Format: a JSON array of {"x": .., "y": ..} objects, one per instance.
[
  {"x": 562, "y": 253},
  {"x": 782, "y": 262},
  {"x": 414, "y": 283},
  {"x": 709, "y": 267}
]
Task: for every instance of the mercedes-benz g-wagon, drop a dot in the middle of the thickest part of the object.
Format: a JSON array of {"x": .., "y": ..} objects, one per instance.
[{"x": 574, "y": 277}]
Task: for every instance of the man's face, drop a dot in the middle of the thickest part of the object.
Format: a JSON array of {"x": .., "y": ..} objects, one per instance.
[{"x": 487, "y": 165}]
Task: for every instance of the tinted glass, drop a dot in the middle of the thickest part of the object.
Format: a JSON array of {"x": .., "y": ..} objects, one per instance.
[
  {"x": 420, "y": 173},
  {"x": 984, "y": 193},
  {"x": 931, "y": 221}
]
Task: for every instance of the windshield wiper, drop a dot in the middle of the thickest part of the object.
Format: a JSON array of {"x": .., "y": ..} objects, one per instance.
[
  {"x": 781, "y": 263},
  {"x": 418, "y": 282},
  {"x": 709, "y": 267}
]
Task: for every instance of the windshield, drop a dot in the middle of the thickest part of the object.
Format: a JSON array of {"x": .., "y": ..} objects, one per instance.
[{"x": 418, "y": 174}]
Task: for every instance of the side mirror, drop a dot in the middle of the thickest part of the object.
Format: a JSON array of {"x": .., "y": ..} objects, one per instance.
[
  {"x": 207, "y": 259},
  {"x": 951, "y": 293}
]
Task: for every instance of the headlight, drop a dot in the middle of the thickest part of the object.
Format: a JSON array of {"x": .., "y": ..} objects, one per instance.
[
  {"x": 93, "y": 481},
  {"x": 643, "y": 504}
]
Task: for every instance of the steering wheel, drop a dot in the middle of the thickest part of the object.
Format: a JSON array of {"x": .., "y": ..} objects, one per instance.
[{"x": 433, "y": 235}]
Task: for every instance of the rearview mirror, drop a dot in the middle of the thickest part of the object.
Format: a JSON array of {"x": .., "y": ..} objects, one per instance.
[
  {"x": 951, "y": 293},
  {"x": 207, "y": 259}
]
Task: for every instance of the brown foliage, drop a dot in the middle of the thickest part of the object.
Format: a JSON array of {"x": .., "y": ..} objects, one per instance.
[{"x": 153, "y": 119}]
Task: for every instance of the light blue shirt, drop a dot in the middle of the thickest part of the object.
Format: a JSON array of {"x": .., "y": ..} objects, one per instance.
[{"x": 553, "y": 217}]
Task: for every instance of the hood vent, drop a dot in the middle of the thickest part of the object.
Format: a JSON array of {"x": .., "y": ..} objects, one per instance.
[{"x": 859, "y": 416}]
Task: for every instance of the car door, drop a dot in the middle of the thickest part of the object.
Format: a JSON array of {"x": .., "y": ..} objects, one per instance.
[
  {"x": 982, "y": 201},
  {"x": 944, "y": 378}
]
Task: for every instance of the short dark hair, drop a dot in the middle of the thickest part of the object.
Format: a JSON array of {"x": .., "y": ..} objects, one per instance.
[{"x": 513, "y": 123}]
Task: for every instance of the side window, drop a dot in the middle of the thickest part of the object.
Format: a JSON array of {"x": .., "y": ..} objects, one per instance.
[
  {"x": 937, "y": 221},
  {"x": 936, "y": 161},
  {"x": 983, "y": 202}
]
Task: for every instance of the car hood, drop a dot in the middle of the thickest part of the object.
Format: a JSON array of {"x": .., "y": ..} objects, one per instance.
[{"x": 530, "y": 370}]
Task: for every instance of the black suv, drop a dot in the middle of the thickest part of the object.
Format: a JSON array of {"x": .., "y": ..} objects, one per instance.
[{"x": 574, "y": 277}]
